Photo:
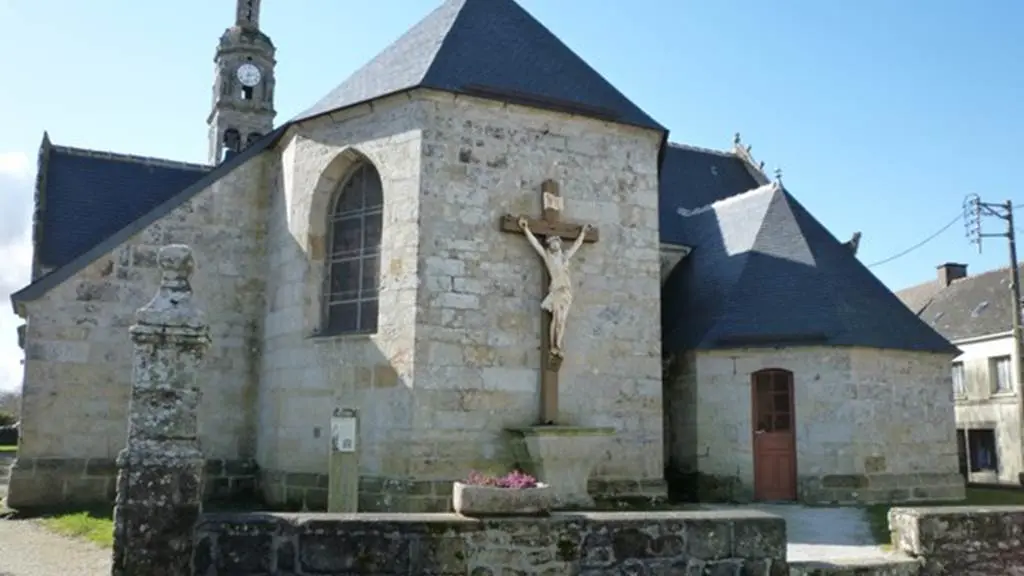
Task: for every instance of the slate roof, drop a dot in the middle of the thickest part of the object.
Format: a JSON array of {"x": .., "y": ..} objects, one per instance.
[
  {"x": 175, "y": 198},
  {"x": 969, "y": 307},
  {"x": 490, "y": 48},
  {"x": 917, "y": 297},
  {"x": 694, "y": 177},
  {"x": 88, "y": 196},
  {"x": 764, "y": 272}
]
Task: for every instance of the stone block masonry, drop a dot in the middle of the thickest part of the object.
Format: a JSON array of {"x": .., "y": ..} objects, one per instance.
[
  {"x": 736, "y": 542},
  {"x": 81, "y": 481},
  {"x": 455, "y": 360},
  {"x": 961, "y": 541},
  {"x": 78, "y": 360},
  {"x": 870, "y": 425}
]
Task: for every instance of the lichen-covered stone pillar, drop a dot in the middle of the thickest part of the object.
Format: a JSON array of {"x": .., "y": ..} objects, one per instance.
[{"x": 160, "y": 469}]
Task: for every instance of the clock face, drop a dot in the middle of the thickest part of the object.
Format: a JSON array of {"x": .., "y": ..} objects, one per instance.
[{"x": 248, "y": 75}]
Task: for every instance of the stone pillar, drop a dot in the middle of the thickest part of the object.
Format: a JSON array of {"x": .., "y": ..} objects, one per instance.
[{"x": 159, "y": 481}]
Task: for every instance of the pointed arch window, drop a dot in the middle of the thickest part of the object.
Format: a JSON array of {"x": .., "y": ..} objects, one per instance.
[{"x": 353, "y": 254}]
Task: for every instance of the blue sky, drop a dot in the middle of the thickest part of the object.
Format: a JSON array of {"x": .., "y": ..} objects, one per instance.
[{"x": 882, "y": 114}]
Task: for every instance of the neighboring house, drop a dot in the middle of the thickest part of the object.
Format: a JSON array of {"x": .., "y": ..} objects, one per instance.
[
  {"x": 352, "y": 256},
  {"x": 975, "y": 313}
]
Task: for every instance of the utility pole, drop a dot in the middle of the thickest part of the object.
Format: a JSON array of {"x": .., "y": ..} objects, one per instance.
[{"x": 974, "y": 210}]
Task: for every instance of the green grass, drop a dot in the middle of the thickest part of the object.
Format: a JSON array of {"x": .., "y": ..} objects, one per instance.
[
  {"x": 96, "y": 526},
  {"x": 878, "y": 515}
]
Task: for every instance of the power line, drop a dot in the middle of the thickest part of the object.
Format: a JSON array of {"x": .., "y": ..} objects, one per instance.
[
  {"x": 959, "y": 215},
  {"x": 938, "y": 233}
]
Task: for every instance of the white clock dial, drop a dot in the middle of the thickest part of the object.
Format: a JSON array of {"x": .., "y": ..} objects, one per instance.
[{"x": 248, "y": 75}]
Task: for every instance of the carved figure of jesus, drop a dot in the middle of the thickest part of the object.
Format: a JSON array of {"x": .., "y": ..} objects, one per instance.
[{"x": 559, "y": 297}]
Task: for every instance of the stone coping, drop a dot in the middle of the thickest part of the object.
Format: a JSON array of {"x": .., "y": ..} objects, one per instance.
[
  {"x": 936, "y": 511},
  {"x": 300, "y": 518}
]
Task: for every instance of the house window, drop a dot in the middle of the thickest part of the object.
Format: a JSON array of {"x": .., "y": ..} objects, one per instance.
[
  {"x": 353, "y": 257},
  {"x": 982, "y": 450},
  {"x": 959, "y": 387},
  {"x": 1001, "y": 369}
]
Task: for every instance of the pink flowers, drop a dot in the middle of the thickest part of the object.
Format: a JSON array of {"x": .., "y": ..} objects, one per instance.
[{"x": 515, "y": 480}]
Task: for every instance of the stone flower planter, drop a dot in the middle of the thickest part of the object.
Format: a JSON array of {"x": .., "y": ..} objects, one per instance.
[{"x": 474, "y": 500}]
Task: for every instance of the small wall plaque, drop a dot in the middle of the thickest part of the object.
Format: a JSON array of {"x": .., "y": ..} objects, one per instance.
[{"x": 343, "y": 431}]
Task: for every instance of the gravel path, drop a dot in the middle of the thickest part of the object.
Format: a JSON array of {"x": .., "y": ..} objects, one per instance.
[{"x": 27, "y": 549}]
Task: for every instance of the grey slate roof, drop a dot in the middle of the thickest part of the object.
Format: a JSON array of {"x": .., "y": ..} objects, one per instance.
[
  {"x": 88, "y": 196},
  {"x": 54, "y": 278},
  {"x": 489, "y": 48},
  {"x": 764, "y": 272},
  {"x": 694, "y": 177},
  {"x": 917, "y": 297},
  {"x": 969, "y": 307}
]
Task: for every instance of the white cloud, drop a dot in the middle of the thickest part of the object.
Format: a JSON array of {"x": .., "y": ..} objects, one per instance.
[{"x": 15, "y": 265}]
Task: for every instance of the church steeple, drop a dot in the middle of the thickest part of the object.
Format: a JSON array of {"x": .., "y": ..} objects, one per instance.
[{"x": 243, "y": 87}]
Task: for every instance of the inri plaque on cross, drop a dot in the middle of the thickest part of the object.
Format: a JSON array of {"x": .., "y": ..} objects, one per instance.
[{"x": 557, "y": 284}]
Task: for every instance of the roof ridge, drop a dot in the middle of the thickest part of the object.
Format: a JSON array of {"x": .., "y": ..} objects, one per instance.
[
  {"x": 447, "y": 33},
  {"x": 769, "y": 187},
  {"x": 148, "y": 160},
  {"x": 691, "y": 147},
  {"x": 465, "y": 45},
  {"x": 969, "y": 277}
]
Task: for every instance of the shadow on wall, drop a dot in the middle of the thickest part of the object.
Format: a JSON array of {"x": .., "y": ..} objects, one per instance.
[{"x": 315, "y": 361}]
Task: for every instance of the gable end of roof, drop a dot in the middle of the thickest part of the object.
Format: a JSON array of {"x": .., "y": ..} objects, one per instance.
[
  {"x": 54, "y": 278},
  {"x": 39, "y": 202}
]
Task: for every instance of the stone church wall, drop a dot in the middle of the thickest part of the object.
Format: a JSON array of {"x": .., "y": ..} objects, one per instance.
[
  {"x": 304, "y": 375},
  {"x": 78, "y": 352},
  {"x": 478, "y": 332},
  {"x": 871, "y": 425},
  {"x": 456, "y": 359}
]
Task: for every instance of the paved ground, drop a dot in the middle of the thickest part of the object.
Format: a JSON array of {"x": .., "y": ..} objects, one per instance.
[
  {"x": 825, "y": 534},
  {"x": 27, "y": 549}
]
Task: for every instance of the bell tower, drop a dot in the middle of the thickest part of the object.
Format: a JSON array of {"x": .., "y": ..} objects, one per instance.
[{"x": 243, "y": 86}]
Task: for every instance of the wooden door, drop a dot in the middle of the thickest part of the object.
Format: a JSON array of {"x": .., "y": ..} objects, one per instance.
[{"x": 774, "y": 435}]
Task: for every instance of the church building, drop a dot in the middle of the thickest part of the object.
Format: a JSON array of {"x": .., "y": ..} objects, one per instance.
[{"x": 407, "y": 248}]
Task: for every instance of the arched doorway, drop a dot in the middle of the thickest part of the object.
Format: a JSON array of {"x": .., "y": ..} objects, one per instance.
[{"x": 774, "y": 435}]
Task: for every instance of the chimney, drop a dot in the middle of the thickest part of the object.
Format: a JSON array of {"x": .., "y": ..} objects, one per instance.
[{"x": 951, "y": 271}]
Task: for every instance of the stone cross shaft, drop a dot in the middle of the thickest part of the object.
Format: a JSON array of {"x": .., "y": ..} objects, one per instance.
[
  {"x": 549, "y": 226},
  {"x": 159, "y": 481}
]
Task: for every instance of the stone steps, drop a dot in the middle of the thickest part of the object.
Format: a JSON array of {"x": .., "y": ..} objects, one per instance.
[{"x": 895, "y": 565}]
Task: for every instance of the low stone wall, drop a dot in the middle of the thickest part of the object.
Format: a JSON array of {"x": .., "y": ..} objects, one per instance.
[
  {"x": 956, "y": 541},
  {"x": 734, "y": 542},
  {"x": 53, "y": 482},
  {"x": 306, "y": 491}
]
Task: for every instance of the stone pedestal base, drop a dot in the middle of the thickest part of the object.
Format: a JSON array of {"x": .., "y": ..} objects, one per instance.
[
  {"x": 158, "y": 503},
  {"x": 561, "y": 457}
]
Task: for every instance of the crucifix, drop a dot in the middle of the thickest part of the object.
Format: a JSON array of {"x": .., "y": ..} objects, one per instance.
[{"x": 557, "y": 284}]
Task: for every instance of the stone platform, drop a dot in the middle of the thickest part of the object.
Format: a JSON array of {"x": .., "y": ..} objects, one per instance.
[{"x": 704, "y": 542}]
